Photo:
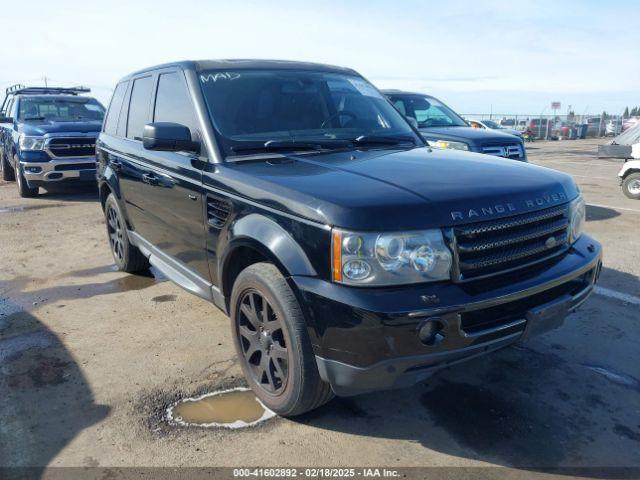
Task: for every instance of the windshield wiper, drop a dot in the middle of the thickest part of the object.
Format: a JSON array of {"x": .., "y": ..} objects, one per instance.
[
  {"x": 383, "y": 140},
  {"x": 289, "y": 145}
]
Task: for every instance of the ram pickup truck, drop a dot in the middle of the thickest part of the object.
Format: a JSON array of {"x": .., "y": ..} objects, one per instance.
[
  {"x": 349, "y": 255},
  {"x": 441, "y": 127},
  {"x": 48, "y": 136}
]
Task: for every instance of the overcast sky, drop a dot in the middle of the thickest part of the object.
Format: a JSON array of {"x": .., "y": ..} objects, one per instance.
[{"x": 477, "y": 56}]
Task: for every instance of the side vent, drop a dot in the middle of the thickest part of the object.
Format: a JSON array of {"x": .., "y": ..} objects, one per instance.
[{"x": 218, "y": 211}]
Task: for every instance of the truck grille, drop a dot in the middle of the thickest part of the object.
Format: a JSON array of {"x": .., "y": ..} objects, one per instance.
[
  {"x": 500, "y": 246},
  {"x": 508, "y": 151},
  {"x": 72, "y": 147}
]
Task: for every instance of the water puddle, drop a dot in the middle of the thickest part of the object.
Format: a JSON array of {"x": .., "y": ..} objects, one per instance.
[
  {"x": 235, "y": 408},
  {"x": 616, "y": 377}
]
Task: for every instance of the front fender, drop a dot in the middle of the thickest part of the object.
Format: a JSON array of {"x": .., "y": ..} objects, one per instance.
[{"x": 272, "y": 240}]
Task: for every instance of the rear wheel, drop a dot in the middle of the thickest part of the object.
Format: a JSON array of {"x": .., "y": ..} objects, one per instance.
[
  {"x": 7, "y": 171},
  {"x": 631, "y": 186},
  {"x": 271, "y": 341},
  {"x": 24, "y": 189},
  {"x": 128, "y": 257}
]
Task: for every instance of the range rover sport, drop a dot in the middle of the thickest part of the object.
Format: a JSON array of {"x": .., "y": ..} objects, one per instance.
[{"x": 349, "y": 255}]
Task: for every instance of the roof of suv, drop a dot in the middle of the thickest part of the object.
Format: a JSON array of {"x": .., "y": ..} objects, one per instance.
[
  {"x": 245, "y": 64},
  {"x": 393, "y": 91}
]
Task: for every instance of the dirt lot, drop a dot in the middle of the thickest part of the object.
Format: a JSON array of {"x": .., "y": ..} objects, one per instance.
[{"x": 89, "y": 358}]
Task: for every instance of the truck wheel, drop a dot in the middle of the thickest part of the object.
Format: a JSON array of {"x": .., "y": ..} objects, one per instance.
[
  {"x": 270, "y": 336},
  {"x": 7, "y": 172},
  {"x": 24, "y": 189},
  {"x": 128, "y": 257},
  {"x": 631, "y": 186}
]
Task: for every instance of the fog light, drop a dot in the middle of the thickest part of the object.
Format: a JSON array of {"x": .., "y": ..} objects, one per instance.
[
  {"x": 34, "y": 169},
  {"x": 429, "y": 331}
]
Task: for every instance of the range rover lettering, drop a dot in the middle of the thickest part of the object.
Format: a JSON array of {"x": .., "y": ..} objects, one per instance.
[{"x": 349, "y": 255}]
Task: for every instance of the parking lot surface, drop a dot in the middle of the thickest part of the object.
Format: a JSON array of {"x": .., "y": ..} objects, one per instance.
[{"x": 91, "y": 357}]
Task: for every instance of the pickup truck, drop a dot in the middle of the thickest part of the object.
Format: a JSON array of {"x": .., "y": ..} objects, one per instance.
[
  {"x": 349, "y": 254},
  {"x": 48, "y": 136},
  {"x": 441, "y": 127}
]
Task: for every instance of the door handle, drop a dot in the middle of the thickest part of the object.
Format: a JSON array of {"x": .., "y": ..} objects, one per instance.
[
  {"x": 150, "y": 178},
  {"x": 115, "y": 165},
  {"x": 193, "y": 197}
]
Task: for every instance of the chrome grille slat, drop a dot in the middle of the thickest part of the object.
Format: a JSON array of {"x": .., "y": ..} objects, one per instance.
[
  {"x": 495, "y": 247},
  {"x": 64, "y": 147},
  {"x": 510, "y": 151},
  {"x": 512, "y": 255},
  {"x": 503, "y": 241},
  {"x": 507, "y": 223}
]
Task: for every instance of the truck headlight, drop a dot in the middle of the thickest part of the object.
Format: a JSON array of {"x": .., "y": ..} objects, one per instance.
[
  {"x": 397, "y": 258},
  {"x": 447, "y": 144},
  {"x": 31, "y": 143},
  {"x": 577, "y": 216}
]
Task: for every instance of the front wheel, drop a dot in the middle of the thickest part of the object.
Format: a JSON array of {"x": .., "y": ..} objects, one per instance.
[
  {"x": 128, "y": 257},
  {"x": 24, "y": 189},
  {"x": 270, "y": 336},
  {"x": 631, "y": 186}
]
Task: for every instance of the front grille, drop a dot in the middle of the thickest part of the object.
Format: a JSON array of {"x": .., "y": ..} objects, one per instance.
[
  {"x": 514, "y": 151},
  {"x": 72, "y": 146},
  {"x": 75, "y": 166},
  {"x": 500, "y": 246}
]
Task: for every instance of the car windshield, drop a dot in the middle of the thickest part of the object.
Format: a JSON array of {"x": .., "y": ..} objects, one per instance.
[
  {"x": 491, "y": 124},
  {"x": 284, "y": 107},
  {"x": 60, "y": 109},
  {"x": 427, "y": 111}
]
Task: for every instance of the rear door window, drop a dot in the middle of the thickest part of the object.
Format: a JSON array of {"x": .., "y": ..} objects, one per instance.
[
  {"x": 139, "y": 107},
  {"x": 111, "y": 121},
  {"x": 173, "y": 103}
]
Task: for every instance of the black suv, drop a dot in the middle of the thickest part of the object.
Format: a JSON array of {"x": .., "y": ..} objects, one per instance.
[
  {"x": 48, "y": 137},
  {"x": 349, "y": 255}
]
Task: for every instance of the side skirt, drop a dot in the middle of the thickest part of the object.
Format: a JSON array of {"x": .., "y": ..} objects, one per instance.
[{"x": 179, "y": 273}]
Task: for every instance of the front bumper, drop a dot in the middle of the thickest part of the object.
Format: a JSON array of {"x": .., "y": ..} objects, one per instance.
[
  {"x": 367, "y": 339},
  {"x": 77, "y": 169}
]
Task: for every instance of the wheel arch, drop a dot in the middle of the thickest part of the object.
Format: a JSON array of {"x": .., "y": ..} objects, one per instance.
[{"x": 256, "y": 238}]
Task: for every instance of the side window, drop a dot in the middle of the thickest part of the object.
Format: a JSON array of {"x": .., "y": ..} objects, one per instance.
[
  {"x": 8, "y": 108},
  {"x": 399, "y": 104},
  {"x": 111, "y": 120},
  {"x": 139, "y": 106},
  {"x": 173, "y": 103}
]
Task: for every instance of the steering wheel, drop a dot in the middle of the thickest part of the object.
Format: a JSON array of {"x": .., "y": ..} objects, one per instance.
[{"x": 343, "y": 113}]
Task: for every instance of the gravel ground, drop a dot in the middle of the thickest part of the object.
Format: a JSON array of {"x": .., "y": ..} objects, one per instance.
[{"x": 90, "y": 357}]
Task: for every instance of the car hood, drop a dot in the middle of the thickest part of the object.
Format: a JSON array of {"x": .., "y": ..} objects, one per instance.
[
  {"x": 399, "y": 189},
  {"x": 476, "y": 135},
  {"x": 43, "y": 127}
]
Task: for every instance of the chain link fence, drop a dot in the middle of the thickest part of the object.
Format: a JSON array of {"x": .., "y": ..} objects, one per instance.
[{"x": 557, "y": 127}]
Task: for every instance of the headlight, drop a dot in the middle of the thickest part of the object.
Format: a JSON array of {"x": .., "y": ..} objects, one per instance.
[
  {"x": 577, "y": 215},
  {"x": 31, "y": 143},
  {"x": 397, "y": 258},
  {"x": 448, "y": 144}
]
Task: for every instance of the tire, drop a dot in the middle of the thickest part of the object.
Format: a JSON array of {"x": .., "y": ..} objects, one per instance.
[
  {"x": 7, "y": 171},
  {"x": 275, "y": 352},
  {"x": 24, "y": 189},
  {"x": 631, "y": 186},
  {"x": 128, "y": 257}
]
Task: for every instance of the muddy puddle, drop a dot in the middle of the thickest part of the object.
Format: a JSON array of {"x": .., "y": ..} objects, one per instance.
[{"x": 235, "y": 408}]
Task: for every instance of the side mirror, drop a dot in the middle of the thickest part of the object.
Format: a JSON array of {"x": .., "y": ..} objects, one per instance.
[
  {"x": 168, "y": 137},
  {"x": 412, "y": 121},
  {"x": 4, "y": 119}
]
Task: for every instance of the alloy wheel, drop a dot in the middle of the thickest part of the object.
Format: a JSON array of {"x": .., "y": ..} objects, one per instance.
[
  {"x": 116, "y": 233},
  {"x": 634, "y": 187},
  {"x": 262, "y": 342}
]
